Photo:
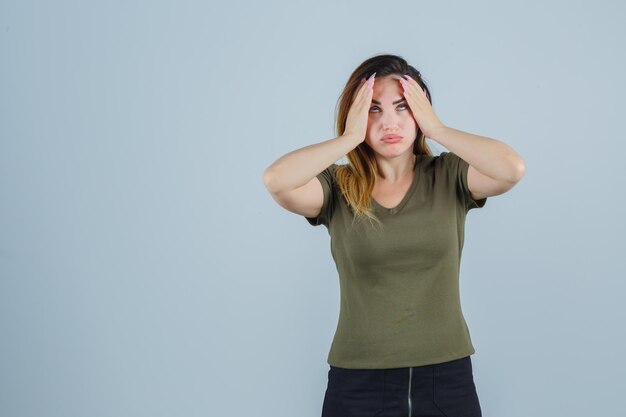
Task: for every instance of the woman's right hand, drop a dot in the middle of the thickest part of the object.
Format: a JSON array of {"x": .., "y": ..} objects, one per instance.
[{"x": 356, "y": 121}]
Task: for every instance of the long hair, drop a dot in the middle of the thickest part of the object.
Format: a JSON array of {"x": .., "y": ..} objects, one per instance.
[{"x": 356, "y": 179}]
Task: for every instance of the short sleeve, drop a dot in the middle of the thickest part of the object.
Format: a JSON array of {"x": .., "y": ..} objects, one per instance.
[
  {"x": 327, "y": 179},
  {"x": 459, "y": 169}
]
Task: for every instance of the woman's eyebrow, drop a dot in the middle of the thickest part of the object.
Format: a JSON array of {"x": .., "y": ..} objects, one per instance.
[{"x": 395, "y": 102}]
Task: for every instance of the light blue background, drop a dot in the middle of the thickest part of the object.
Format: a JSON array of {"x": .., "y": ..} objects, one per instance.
[{"x": 146, "y": 271}]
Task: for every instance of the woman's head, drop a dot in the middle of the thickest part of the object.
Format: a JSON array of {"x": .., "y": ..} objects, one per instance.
[
  {"x": 357, "y": 179},
  {"x": 390, "y": 114},
  {"x": 389, "y": 69}
]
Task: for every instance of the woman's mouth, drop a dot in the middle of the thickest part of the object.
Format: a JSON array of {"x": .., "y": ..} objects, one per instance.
[{"x": 391, "y": 138}]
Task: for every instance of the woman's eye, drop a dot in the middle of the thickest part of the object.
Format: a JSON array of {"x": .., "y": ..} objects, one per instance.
[{"x": 376, "y": 107}]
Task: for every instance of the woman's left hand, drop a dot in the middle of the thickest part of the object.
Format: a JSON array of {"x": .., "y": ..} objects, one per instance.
[{"x": 422, "y": 111}]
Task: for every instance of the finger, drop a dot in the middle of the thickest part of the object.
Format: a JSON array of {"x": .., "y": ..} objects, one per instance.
[
  {"x": 405, "y": 86},
  {"x": 412, "y": 82},
  {"x": 369, "y": 83},
  {"x": 369, "y": 92},
  {"x": 362, "y": 87},
  {"x": 413, "y": 87},
  {"x": 359, "y": 93},
  {"x": 364, "y": 95},
  {"x": 409, "y": 82}
]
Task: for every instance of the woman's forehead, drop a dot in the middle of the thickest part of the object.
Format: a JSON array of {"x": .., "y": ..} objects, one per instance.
[
  {"x": 390, "y": 77},
  {"x": 387, "y": 85}
]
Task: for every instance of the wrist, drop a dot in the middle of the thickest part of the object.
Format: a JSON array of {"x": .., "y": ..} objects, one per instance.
[
  {"x": 433, "y": 133},
  {"x": 353, "y": 139}
]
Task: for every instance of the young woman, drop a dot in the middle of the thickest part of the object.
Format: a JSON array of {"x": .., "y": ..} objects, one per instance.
[{"x": 402, "y": 346}]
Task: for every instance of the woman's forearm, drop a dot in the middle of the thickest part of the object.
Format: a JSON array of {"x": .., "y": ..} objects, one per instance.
[
  {"x": 298, "y": 167},
  {"x": 491, "y": 157}
]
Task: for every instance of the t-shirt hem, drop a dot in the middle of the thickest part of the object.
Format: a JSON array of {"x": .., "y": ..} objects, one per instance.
[{"x": 387, "y": 365}]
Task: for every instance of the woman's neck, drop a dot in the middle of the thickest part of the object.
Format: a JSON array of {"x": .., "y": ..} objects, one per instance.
[{"x": 395, "y": 170}]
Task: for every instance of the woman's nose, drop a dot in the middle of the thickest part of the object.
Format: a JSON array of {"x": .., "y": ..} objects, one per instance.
[{"x": 390, "y": 120}]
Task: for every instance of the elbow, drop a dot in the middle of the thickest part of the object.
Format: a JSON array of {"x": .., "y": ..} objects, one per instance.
[
  {"x": 269, "y": 180},
  {"x": 518, "y": 171}
]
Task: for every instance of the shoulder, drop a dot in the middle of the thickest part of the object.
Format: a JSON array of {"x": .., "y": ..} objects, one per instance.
[
  {"x": 449, "y": 161},
  {"x": 330, "y": 172},
  {"x": 448, "y": 157}
]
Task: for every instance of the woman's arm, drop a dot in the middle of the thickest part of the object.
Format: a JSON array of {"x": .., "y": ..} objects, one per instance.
[
  {"x": 292, "y": 179},
  {"x": 298, "y": 167},
  {"x": 494, "y": 168}
]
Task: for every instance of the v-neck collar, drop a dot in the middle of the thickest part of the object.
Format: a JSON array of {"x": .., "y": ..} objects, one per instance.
[{"x": 407, "y": 196}]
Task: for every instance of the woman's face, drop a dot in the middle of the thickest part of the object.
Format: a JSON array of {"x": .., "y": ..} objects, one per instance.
[{"x": 387, "y": 118}]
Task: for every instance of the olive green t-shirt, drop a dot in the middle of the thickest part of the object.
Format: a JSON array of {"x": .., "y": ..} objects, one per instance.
[{"x": 399, "y": 285}]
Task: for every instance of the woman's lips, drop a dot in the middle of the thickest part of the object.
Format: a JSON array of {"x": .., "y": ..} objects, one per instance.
[{"x": 392, "y": 139}]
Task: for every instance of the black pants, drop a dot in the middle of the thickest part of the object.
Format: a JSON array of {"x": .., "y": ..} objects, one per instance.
[{"x": 444, "y": 390}]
